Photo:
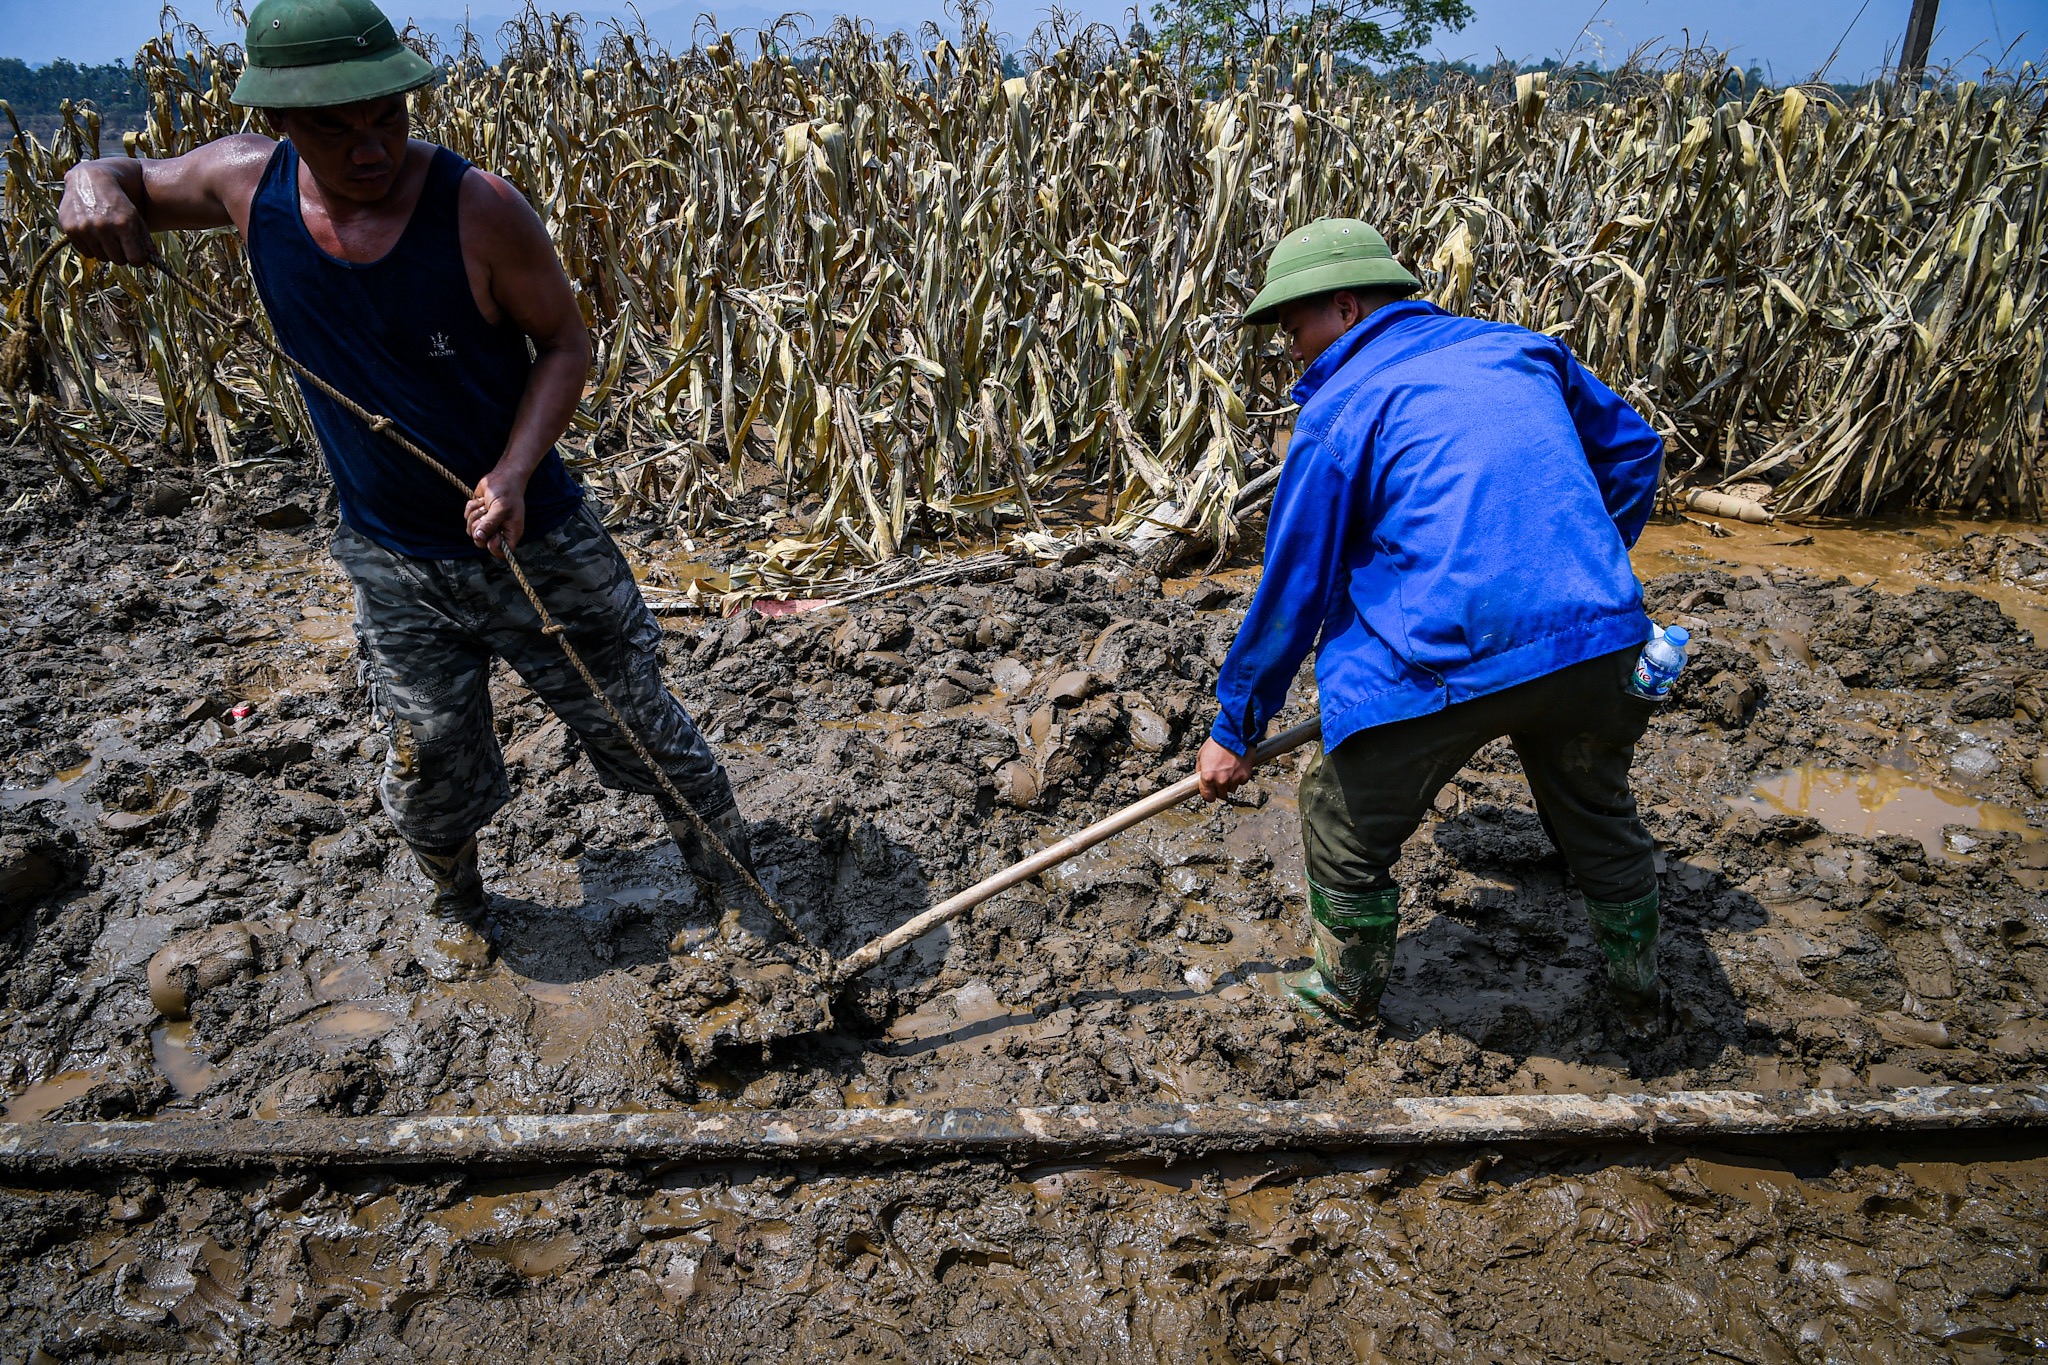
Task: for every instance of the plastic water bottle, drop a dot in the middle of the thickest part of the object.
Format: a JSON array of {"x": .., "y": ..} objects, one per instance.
[{"x": 1657, "y": 667}]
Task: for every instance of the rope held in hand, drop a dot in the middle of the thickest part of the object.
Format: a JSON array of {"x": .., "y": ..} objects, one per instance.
[{"x": 384, "y": 426}]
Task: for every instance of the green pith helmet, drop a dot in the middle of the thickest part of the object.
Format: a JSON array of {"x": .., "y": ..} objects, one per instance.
[
  {"x": 1330, "y": 253},
  {"x": 313, "y": 54}
]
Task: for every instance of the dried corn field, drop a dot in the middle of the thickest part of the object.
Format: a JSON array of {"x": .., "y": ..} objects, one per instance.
[{"x": 941, "y": 307}]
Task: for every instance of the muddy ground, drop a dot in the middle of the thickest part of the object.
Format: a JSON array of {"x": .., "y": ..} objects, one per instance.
[
  {"x": 1886, "y": 1255},
  {"x": 1847, "y": 794}
]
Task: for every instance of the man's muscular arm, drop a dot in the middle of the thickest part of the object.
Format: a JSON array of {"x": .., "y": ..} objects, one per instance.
[
  {"x": 111, "y": 206},
  {"x": 501, "y": 232}
]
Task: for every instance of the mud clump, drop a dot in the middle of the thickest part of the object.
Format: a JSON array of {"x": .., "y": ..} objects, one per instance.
[
  {"x": 705, "y": 1013},
  {"x": 1999, "y": 557},
  {"x": 195, "y": 963},
  {"x": 38, "y": 858}
]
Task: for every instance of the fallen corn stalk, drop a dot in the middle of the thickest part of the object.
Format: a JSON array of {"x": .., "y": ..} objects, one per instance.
[
  {"x": 1054, "y": 1133},
  {"x": 1728, "y": 505},
  {"x": 957, "y": 571}
]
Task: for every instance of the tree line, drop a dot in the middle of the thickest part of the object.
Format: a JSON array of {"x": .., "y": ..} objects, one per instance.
[{"x": 112, "y": 87}]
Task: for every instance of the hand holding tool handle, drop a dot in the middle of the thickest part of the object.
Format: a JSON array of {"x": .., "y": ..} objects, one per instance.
[{"x": 1137, "y": 813}]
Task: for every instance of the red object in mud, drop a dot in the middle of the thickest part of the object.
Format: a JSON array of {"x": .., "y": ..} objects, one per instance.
[
  {"x": 242, "y": 712},
  {"x": 789, "y": 606}
]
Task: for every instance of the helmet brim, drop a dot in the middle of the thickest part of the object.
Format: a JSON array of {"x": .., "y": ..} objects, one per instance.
[
  {"x": 1381, "y": 272},
  {"x": 327, "y": 84}
]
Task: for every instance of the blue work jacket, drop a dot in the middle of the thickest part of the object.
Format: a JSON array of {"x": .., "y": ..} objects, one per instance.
[{"x": 1454, "y": 518}]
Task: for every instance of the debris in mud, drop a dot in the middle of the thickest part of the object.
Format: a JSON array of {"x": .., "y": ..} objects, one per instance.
[{"x": 705, "y": 1013}]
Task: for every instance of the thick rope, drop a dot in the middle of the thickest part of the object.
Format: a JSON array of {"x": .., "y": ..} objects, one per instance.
[{"x": 385, "y": 427}]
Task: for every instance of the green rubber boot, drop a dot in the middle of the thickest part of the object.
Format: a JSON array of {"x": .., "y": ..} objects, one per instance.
[
  {"x": 1627, "y": 935},
  {"x": 458, "y": 885},
  {"x": 451, "y": 945},
  {"x": 1353, "y": 935},
  {"x": 717, "y": 876}
]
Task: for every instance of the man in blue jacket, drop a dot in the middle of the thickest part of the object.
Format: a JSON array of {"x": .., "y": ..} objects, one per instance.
[{"x": 1451, "y": 536}]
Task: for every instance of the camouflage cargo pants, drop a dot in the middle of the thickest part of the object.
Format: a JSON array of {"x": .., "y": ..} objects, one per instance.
[{"x": 428, "y": 630}]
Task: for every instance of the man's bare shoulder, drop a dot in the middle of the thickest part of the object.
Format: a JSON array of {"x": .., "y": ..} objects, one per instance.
[
  {"x": 495, "y": 205},
  {"x": 232, "y": 167},
  {"x": 512, "y": 261},
  {"x": 236, "y": 156}
]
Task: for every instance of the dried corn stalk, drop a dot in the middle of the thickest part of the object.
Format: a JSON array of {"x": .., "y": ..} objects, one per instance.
[{"x": 938, "y": 304}]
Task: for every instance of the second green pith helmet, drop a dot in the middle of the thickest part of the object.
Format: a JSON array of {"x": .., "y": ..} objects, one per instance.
[
  {"x": 1330, "y": 253},
  {"x": 314, "y": 54}
]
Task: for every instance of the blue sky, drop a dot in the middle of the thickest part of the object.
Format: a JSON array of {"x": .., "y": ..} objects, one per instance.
[{"x": 1790, "y": 38}]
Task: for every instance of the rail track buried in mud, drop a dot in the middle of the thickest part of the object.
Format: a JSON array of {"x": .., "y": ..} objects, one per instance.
[{"x": 1063, "y": 1132}]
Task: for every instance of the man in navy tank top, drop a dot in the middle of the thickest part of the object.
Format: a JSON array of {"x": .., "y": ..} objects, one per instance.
[{"x": 414, "y": 283}]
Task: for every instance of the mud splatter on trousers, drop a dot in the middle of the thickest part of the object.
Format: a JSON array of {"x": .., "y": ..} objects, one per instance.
[{"x": 429, "y": 630}]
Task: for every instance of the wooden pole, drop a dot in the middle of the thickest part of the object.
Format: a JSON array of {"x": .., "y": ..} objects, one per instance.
[
  {"x": 1068, "y": 1132},
  {"x": 953, "y": 907},
  {"x": 1913, "y": 60}
]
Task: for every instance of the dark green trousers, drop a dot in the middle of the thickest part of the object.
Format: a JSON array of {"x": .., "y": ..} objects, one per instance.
[{"x": 1575, "y": 731}]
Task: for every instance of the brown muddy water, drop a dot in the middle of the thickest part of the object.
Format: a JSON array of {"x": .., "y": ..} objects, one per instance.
[{"x": 1847, "y": 794}]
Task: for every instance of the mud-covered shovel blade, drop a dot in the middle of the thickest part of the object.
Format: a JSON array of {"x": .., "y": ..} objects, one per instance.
[{"x": 711, "y": 1009}]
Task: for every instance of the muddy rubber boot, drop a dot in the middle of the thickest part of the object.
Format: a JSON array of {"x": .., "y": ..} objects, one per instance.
[
  {"x": 456, "y": 946},
  {"x": 1627, "y": 935},
  {"x": 1353, "y": 936},
  {"x": 724, "y": 886}
]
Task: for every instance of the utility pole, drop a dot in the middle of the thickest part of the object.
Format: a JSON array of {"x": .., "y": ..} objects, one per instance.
[{"x": 1913, "y": 60}]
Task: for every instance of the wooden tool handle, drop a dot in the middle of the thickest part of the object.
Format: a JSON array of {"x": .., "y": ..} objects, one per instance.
[{"x": 1137, "y": 813}]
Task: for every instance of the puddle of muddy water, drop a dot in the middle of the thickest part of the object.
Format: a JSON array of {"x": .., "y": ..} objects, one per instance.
[
  {"x": 1867, "y": 802},
  {"x": 351, "y": 1022},
  {"x": 1886, "y": 556},
  {"x": 326, "y": 629},
  {"x": 45, "y": 1097},
  {"x": 187, "y": 1069},
  {"x": 1549, "y": 1076}
]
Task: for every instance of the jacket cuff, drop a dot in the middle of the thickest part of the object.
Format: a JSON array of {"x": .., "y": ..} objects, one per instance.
[{"x": 1224, "y": 733}]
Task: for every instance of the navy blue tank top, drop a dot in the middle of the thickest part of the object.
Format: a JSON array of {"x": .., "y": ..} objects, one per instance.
[{"x": 402, "y": 336}]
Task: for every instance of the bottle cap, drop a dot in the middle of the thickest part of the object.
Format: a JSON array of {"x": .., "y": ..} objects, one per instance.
[{"x": 1677, "y": 635}]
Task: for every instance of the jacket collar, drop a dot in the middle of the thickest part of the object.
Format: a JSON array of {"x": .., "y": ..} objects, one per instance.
[{"x": 1376, "y": 324}]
